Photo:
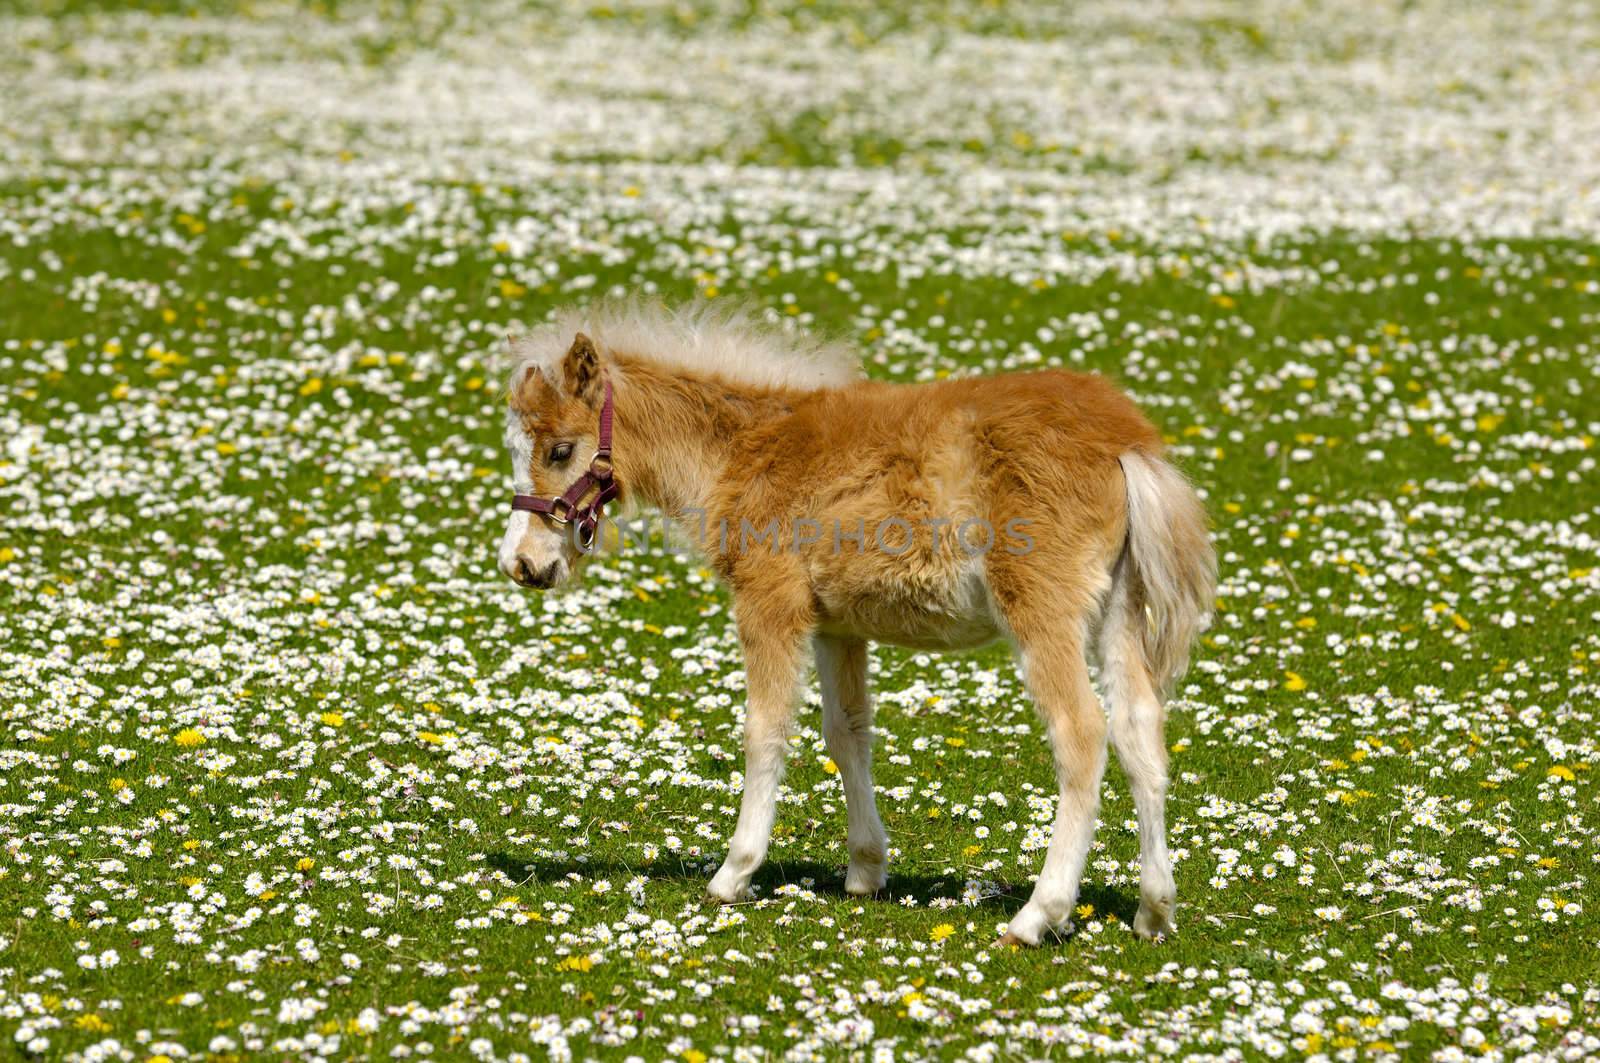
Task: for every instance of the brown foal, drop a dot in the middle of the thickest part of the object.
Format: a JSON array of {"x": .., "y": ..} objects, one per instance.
[{"x": 1031, "y": 507}]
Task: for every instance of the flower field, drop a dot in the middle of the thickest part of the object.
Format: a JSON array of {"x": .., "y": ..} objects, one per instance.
[{"x": 288, "y": 770}]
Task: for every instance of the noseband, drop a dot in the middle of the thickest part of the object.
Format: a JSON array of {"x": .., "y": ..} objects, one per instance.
[{"x": 598, "y": 484}]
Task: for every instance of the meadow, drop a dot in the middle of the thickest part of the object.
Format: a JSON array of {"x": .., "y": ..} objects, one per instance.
[{"x": 289, "y": 770}]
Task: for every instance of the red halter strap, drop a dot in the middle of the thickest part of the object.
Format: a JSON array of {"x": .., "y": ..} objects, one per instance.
[{"x": 598, "y": 483}]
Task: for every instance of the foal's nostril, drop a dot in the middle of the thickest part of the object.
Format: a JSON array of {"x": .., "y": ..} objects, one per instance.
[{"x": 528, "y": 576}]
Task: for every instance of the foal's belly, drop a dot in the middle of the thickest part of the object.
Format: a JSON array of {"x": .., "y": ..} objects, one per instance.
[{"x": 947, "y": 615}]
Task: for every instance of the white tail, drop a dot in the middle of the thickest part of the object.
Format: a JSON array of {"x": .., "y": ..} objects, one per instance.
[{"x": 1169, "y": 563}]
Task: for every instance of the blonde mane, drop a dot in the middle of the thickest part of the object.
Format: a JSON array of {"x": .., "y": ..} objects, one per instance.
[{"x": 722, "y": 339}]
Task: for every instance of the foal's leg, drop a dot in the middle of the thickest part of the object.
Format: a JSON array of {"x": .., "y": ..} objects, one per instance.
[
  {"x": 772, "y": 657},
  {"x": 847, "y": 728},
  {"x": 1058, "y": 678},
  {"x": 1137, "y": 719}
]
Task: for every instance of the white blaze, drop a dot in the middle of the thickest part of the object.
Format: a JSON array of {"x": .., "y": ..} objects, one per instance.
[
  {"x": 521, "y": 447},
  {"x": 539, "y": 549}
]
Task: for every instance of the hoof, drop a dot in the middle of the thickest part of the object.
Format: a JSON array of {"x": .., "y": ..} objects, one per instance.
[
  {"x": 1031, "y": 926},
  {"x": 1008, "y": 940},
  {"x": 865, "y": 882},
  {"x": 725, "y": 889},
  {"x": 1154, "y": 920}
]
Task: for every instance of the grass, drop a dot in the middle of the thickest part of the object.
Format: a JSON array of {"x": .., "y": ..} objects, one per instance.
[{"x": 289, "y": 770}]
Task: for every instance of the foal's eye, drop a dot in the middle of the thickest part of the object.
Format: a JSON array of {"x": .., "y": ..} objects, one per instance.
[{"x": 560, "y": 453}]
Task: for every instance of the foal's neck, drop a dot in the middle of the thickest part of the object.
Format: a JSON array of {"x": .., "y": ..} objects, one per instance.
[{"x": 675, "y": 432}]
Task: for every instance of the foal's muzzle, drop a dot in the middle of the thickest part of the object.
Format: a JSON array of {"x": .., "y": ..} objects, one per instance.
[{"x": 527, "y": 574}]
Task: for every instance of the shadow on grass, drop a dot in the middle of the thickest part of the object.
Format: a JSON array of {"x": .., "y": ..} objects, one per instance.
[{"x": 823, "y": 879}]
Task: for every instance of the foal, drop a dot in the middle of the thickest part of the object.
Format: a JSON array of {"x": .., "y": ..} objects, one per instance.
[{"x": 1031, "y": 507}]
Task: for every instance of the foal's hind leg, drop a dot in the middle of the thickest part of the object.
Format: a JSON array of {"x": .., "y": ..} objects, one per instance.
[
  {"x": 772, "y": 655},
  {"x": 1058, "y": 678},
  {"x": 1137, "y": 720},
  {"x": 847, "y": 728}
]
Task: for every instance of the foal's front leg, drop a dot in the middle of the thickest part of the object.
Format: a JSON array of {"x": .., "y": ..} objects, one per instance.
[
  {"x": 772, "y": 656},
  {"x": 847, "y": 728}
]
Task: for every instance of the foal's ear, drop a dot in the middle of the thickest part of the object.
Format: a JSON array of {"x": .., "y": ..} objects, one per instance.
[{"x": 580, "y": 369}]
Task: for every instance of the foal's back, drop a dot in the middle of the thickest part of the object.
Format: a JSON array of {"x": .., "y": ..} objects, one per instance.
[
  {"x": 1076, "y": 417},
  {"x": 955, "y": 442},
  {"x": 916, "y": 499}
]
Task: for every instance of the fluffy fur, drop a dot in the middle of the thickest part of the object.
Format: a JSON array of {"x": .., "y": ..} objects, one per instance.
[
  {"x": 723, "y": 339},
  {"x": 726, "y": 426}
]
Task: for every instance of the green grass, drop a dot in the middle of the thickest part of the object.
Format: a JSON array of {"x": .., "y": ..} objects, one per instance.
[{"x": 253, "y": 482}]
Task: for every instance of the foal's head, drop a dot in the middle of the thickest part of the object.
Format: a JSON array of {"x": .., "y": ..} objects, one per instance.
[{"x": 552, "y": 429}]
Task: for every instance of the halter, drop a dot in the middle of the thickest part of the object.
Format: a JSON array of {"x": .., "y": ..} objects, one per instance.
[{"x": 570, "y": 507}]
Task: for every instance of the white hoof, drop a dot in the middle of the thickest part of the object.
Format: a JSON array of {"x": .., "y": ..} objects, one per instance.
[
  {"x": 1029, "y": 926},
  {"x": 863, "y": 880},
  {"x": 1155, "y": 917},
  {"x": 728, "y": 886}
]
